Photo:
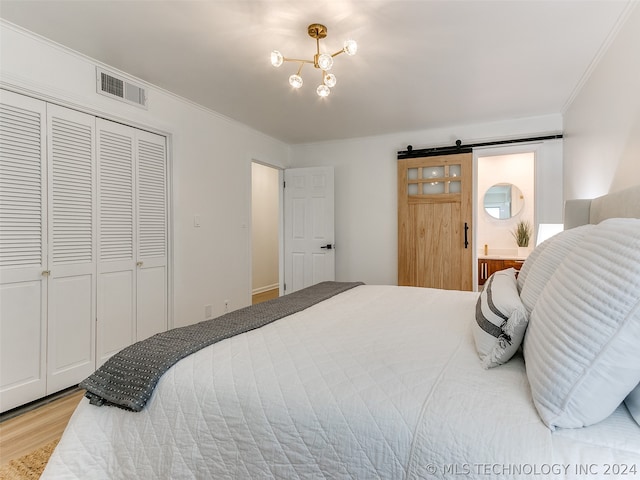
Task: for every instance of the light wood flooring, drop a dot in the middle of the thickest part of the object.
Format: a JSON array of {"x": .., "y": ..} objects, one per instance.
[
  {"x": 264, "y": 296},
  {"x": 36, "y": 427}
]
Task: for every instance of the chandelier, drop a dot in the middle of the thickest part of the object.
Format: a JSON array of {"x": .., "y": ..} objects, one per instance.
[{"x": 321, "y": 61}]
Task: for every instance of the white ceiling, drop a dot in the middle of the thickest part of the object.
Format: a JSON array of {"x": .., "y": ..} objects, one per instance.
[{"x": 420, "y": 64}]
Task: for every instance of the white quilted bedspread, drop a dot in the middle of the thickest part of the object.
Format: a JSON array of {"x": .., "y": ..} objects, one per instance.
[{"x": 377, "y": 382}]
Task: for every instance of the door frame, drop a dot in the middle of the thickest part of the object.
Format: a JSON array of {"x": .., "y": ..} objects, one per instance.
[
  {"x": 495, "y": 151},
  {"x": 280, "y": 170}
]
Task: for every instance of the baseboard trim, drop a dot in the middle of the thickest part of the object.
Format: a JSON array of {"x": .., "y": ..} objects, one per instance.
[
  {"x": 259, "y": 290},
  {"x": 27, "y": 407}
]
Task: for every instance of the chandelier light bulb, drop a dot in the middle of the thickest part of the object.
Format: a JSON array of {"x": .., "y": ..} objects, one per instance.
[
  {"x": 350, "y": 47},
  {"x": 325, "y": 61},
  {"x": 323, "y": 90},
  {"x": 295, "y": 81},
  {"x": 276, "y": 58},
  {"x": 330, "y": 80}
]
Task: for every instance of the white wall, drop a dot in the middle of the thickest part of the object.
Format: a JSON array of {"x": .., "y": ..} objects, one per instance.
[
  {"x": 366, "y": 187},
  {"x": 602, "y": 124},
  {"x": 211, "y": 158},
  {"x": 265, "y": 216}
]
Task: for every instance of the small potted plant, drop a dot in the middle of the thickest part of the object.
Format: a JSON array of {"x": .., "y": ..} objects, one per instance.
[{"x": 522, "y": 234}]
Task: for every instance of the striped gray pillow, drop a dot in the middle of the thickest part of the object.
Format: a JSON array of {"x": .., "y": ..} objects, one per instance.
[{"x": 501, "y": 319}]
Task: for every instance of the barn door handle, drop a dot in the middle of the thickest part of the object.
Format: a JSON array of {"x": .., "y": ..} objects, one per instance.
[
  {"x": 328, "y": 246},
  {"x": 466, "y": 235}
]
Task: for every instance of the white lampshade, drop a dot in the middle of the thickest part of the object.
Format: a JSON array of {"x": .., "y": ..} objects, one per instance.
[
  {"x": 350, "y": 47},
  {"x": 323, "y": 90},
  {"x": 325, "y": 61},
  {"x": 295, "y": 81},
  {"x": 276, "y": 58},
  {"x": 548, "y": 230}
]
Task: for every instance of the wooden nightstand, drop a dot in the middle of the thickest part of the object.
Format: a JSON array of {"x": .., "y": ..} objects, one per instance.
[{"x": 489, "y": 265}]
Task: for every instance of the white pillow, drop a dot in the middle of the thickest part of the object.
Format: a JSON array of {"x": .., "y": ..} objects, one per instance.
[
  {"x": 501, "y": 319},
  {"x": 544, "y": 260},
  {"x": 633, "y": 403},
  {"x": 581, "y": 347},
  {"x": 530, "y": 261}
]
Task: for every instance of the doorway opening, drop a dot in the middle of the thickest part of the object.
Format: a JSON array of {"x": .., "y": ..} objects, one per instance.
[
  {"x": 265, "y": 231},
  {"x": 506, "y": 200},
  {"x": 506, "y": 196}
]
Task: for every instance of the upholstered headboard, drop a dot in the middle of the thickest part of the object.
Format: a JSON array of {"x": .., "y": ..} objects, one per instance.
[{"x": 624, "y": 203}]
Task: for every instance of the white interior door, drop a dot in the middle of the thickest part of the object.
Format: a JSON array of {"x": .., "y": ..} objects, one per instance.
[
  {"x": 116, "y": 239},
  {"x": 151, "y": 175},
  {"x": 23, "y": 250},
  {"x": 132, "y": 236},
  {"x": 72, "y": 278},
  {"x": 309, "y": 231}
]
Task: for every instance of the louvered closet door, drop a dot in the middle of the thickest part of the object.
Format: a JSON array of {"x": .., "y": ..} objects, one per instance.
[
  {"x": 116, "y": 239},
  {"x": 132, "y": 239},
  {"x": 152, "y": 235},
  {"x": 23, "y": 253},
  {"x": 72, "y": 246}
]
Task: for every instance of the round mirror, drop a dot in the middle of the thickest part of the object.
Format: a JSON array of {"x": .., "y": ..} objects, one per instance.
[{"x": 503, "y": 201}]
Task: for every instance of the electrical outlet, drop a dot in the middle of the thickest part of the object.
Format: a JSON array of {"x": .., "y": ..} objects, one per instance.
[
  {"x": 208, "y": 311},
  {"x": 226, "y": 305}
]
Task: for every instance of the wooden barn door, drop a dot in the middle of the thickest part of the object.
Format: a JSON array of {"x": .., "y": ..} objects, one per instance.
[{"x": 434, "y": 222}]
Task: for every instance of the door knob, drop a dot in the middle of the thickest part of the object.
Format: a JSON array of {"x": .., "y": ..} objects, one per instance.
[
  {"x": 139, "y": 264},
  {"x": 328, "y": 246}
]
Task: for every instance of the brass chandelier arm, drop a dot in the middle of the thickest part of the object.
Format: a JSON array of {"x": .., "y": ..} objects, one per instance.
[
  {"x": 338, "y": 52},
  {"x": 284, "y": 59}
]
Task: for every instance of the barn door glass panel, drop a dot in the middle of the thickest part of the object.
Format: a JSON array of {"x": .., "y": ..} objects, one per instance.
[{"x": 434, "y": 180}]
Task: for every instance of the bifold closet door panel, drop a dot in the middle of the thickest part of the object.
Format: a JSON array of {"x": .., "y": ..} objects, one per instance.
[
  {"x": 72, "y": 247},
  {"x": 116, "y": 265},
  {"x": 23, "y": 250},
  {"x": 152, "y": 234}
]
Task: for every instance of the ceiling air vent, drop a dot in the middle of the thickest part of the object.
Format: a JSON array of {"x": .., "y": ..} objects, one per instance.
[{"x": 112, "y": 86}]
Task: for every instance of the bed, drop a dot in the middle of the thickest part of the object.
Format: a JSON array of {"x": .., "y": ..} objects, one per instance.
[{"x": 392, "y": 382}]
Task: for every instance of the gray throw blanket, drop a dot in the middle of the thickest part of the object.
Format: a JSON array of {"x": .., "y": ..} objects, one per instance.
[{"x": 128, "y": 379}]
